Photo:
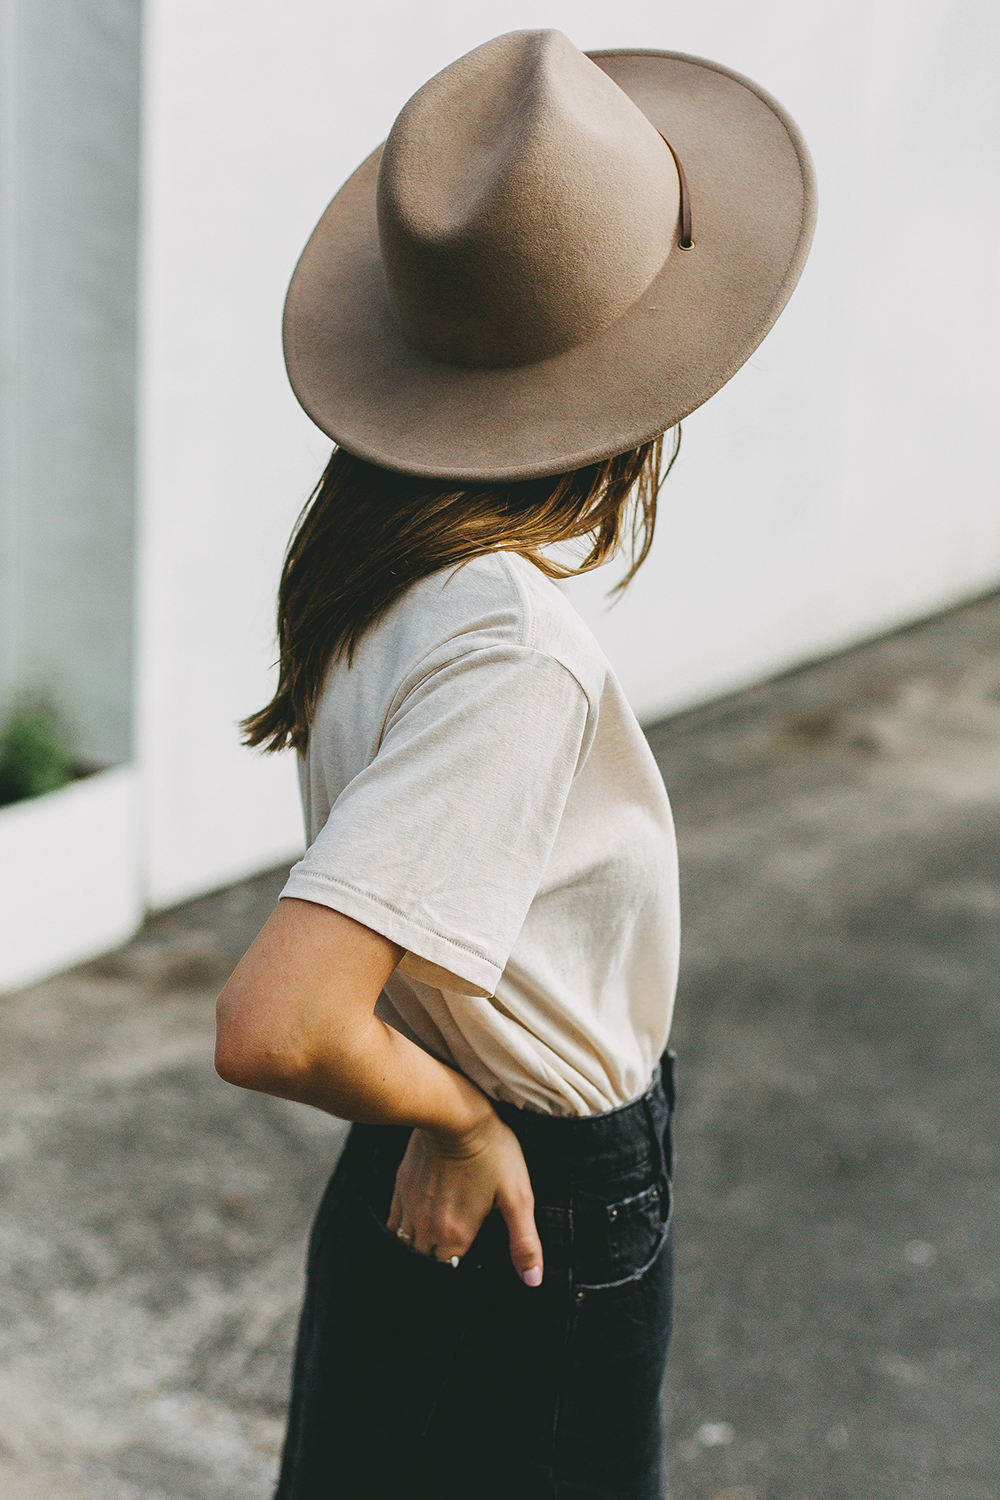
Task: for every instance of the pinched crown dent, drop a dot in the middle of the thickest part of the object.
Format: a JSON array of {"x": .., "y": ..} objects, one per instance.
[{"x": 524, "y": 203}]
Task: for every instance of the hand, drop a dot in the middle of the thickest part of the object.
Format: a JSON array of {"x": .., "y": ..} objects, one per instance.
[{"x": 447, "y": 1185}]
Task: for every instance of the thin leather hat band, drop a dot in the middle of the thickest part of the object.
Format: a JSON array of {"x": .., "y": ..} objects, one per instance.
[{"x": 685, "y": 242}]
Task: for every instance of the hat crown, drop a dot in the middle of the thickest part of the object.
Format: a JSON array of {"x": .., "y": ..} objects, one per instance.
[{"x": 524, "y": 203}]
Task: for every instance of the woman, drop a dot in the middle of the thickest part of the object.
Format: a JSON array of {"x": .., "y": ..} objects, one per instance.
[{"x": 552, "y": 260}]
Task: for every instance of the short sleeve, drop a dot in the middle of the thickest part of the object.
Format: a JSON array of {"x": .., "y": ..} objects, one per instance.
[{"x": 441, "y": 842}]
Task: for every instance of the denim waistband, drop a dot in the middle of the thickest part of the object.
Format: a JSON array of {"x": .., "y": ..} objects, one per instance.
[{"x": 587, "y": 1146}]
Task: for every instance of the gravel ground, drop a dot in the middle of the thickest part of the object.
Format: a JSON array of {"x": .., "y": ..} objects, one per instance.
[{"x": 839, "y": 1033}]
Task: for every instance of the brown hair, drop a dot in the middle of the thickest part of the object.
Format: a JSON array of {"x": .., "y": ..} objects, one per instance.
[{"x": 366, "y": 534}]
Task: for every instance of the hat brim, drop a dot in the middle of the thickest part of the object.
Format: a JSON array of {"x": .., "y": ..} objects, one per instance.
[{"x": 753, "y": 204}]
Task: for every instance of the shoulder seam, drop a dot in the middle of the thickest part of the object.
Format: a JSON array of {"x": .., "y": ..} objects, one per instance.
[
  {"x": 592, "y": 708},
  {"x": 452, "y": 571},
  {"x": 532, "y": 651}
]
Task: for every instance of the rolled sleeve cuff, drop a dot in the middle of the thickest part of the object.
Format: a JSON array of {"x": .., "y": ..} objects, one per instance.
[{"x": 430, "y": 957}]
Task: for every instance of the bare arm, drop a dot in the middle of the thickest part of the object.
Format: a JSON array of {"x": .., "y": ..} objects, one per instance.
[{"x": 296, "y": 1019}]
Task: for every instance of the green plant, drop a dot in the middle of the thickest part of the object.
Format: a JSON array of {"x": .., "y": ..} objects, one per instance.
[{"x": 33, "y": 754}]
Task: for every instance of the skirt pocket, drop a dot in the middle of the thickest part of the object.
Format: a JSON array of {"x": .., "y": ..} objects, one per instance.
[
  {"x": 615, "y": 1243},
  {"x": 636, "y": 1228},
  {"x": 415, "y": 1314}
]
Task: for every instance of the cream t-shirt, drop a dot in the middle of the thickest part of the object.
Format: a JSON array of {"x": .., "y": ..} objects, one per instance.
[{"x": 477, "y": 789}]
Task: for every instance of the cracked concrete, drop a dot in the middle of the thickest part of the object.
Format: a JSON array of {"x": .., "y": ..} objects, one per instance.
[{"x": 839, "y": 1032}]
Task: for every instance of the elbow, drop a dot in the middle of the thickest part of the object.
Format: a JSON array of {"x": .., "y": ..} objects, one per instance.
[
  {"x": 254, "y": 1058},
  {"x": 234, "y": 1063},
  {"x": 261, "y": 1066}
]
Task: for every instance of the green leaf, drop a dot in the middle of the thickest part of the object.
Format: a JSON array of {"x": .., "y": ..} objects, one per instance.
[{"x": 34, "y": 758}]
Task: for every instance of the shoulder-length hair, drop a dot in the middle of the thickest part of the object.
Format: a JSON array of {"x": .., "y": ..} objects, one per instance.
[{"x": 366, "y": 534}]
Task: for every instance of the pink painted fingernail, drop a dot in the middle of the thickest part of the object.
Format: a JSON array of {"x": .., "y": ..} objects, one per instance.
[{"x": 532, "y": 1276}]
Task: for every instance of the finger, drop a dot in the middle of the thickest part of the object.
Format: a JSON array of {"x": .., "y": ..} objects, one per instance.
[
  {"x": 398, "y": 1220},
  {"x": 525, "y": 1246},
  {"x": 442, "y": 1237}
]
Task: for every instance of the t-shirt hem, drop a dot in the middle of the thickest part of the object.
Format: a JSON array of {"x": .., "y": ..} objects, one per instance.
[{"x": 368, "y": 909}]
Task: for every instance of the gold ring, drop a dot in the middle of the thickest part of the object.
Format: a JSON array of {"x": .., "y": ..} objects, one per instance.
[{"x": 405, "y": 1236}]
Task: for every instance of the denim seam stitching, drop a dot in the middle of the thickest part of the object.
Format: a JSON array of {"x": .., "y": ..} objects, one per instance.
[{"x": 610, "y": 1286}]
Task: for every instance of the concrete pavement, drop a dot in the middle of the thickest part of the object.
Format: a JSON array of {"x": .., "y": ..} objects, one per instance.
[
  {"x": 839, "y": 1024},
  {"x": 839, "y": 1032}
]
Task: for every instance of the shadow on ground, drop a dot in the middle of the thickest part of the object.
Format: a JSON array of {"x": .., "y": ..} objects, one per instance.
[{"x": 839, "y": 1032}]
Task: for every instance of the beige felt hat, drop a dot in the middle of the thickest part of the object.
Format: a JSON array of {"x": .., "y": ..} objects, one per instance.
[{"x": 553, "y": 258}]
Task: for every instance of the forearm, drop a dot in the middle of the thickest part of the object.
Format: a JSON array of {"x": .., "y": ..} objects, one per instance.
[
  {"x": 376, "y": 1076},
  {"x": 297, "y": 1020}
]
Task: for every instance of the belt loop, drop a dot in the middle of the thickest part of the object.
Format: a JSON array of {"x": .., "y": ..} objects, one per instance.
[
  {"x": 670, "y": 1089},
  {"x": 665, "y": 1134},
  {"x": 668, "y": 1069},
  {"x": 658, "y": 1136}
]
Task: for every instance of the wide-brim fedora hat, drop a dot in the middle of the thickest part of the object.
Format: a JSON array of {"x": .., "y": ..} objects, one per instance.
[{"x": 554, "y": 257}]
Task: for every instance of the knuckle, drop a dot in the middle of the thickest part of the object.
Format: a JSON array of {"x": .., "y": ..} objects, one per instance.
[
  {"x": 456, "y": 1238},
  {"x": 447, "y": 1235}
]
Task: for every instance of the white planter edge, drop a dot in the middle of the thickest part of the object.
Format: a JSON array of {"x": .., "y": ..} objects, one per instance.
[{"x": 71, "y": 878}]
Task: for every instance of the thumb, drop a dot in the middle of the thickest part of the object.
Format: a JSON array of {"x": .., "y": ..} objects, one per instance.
[{"x": 525, "y": 1246}]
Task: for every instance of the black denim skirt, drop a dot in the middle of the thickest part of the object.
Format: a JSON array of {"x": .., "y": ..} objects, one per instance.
[{"x": 414, "y": 1379}]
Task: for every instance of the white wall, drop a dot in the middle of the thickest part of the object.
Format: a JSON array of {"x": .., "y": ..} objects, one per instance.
[{"x": 838, "y": 486}]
